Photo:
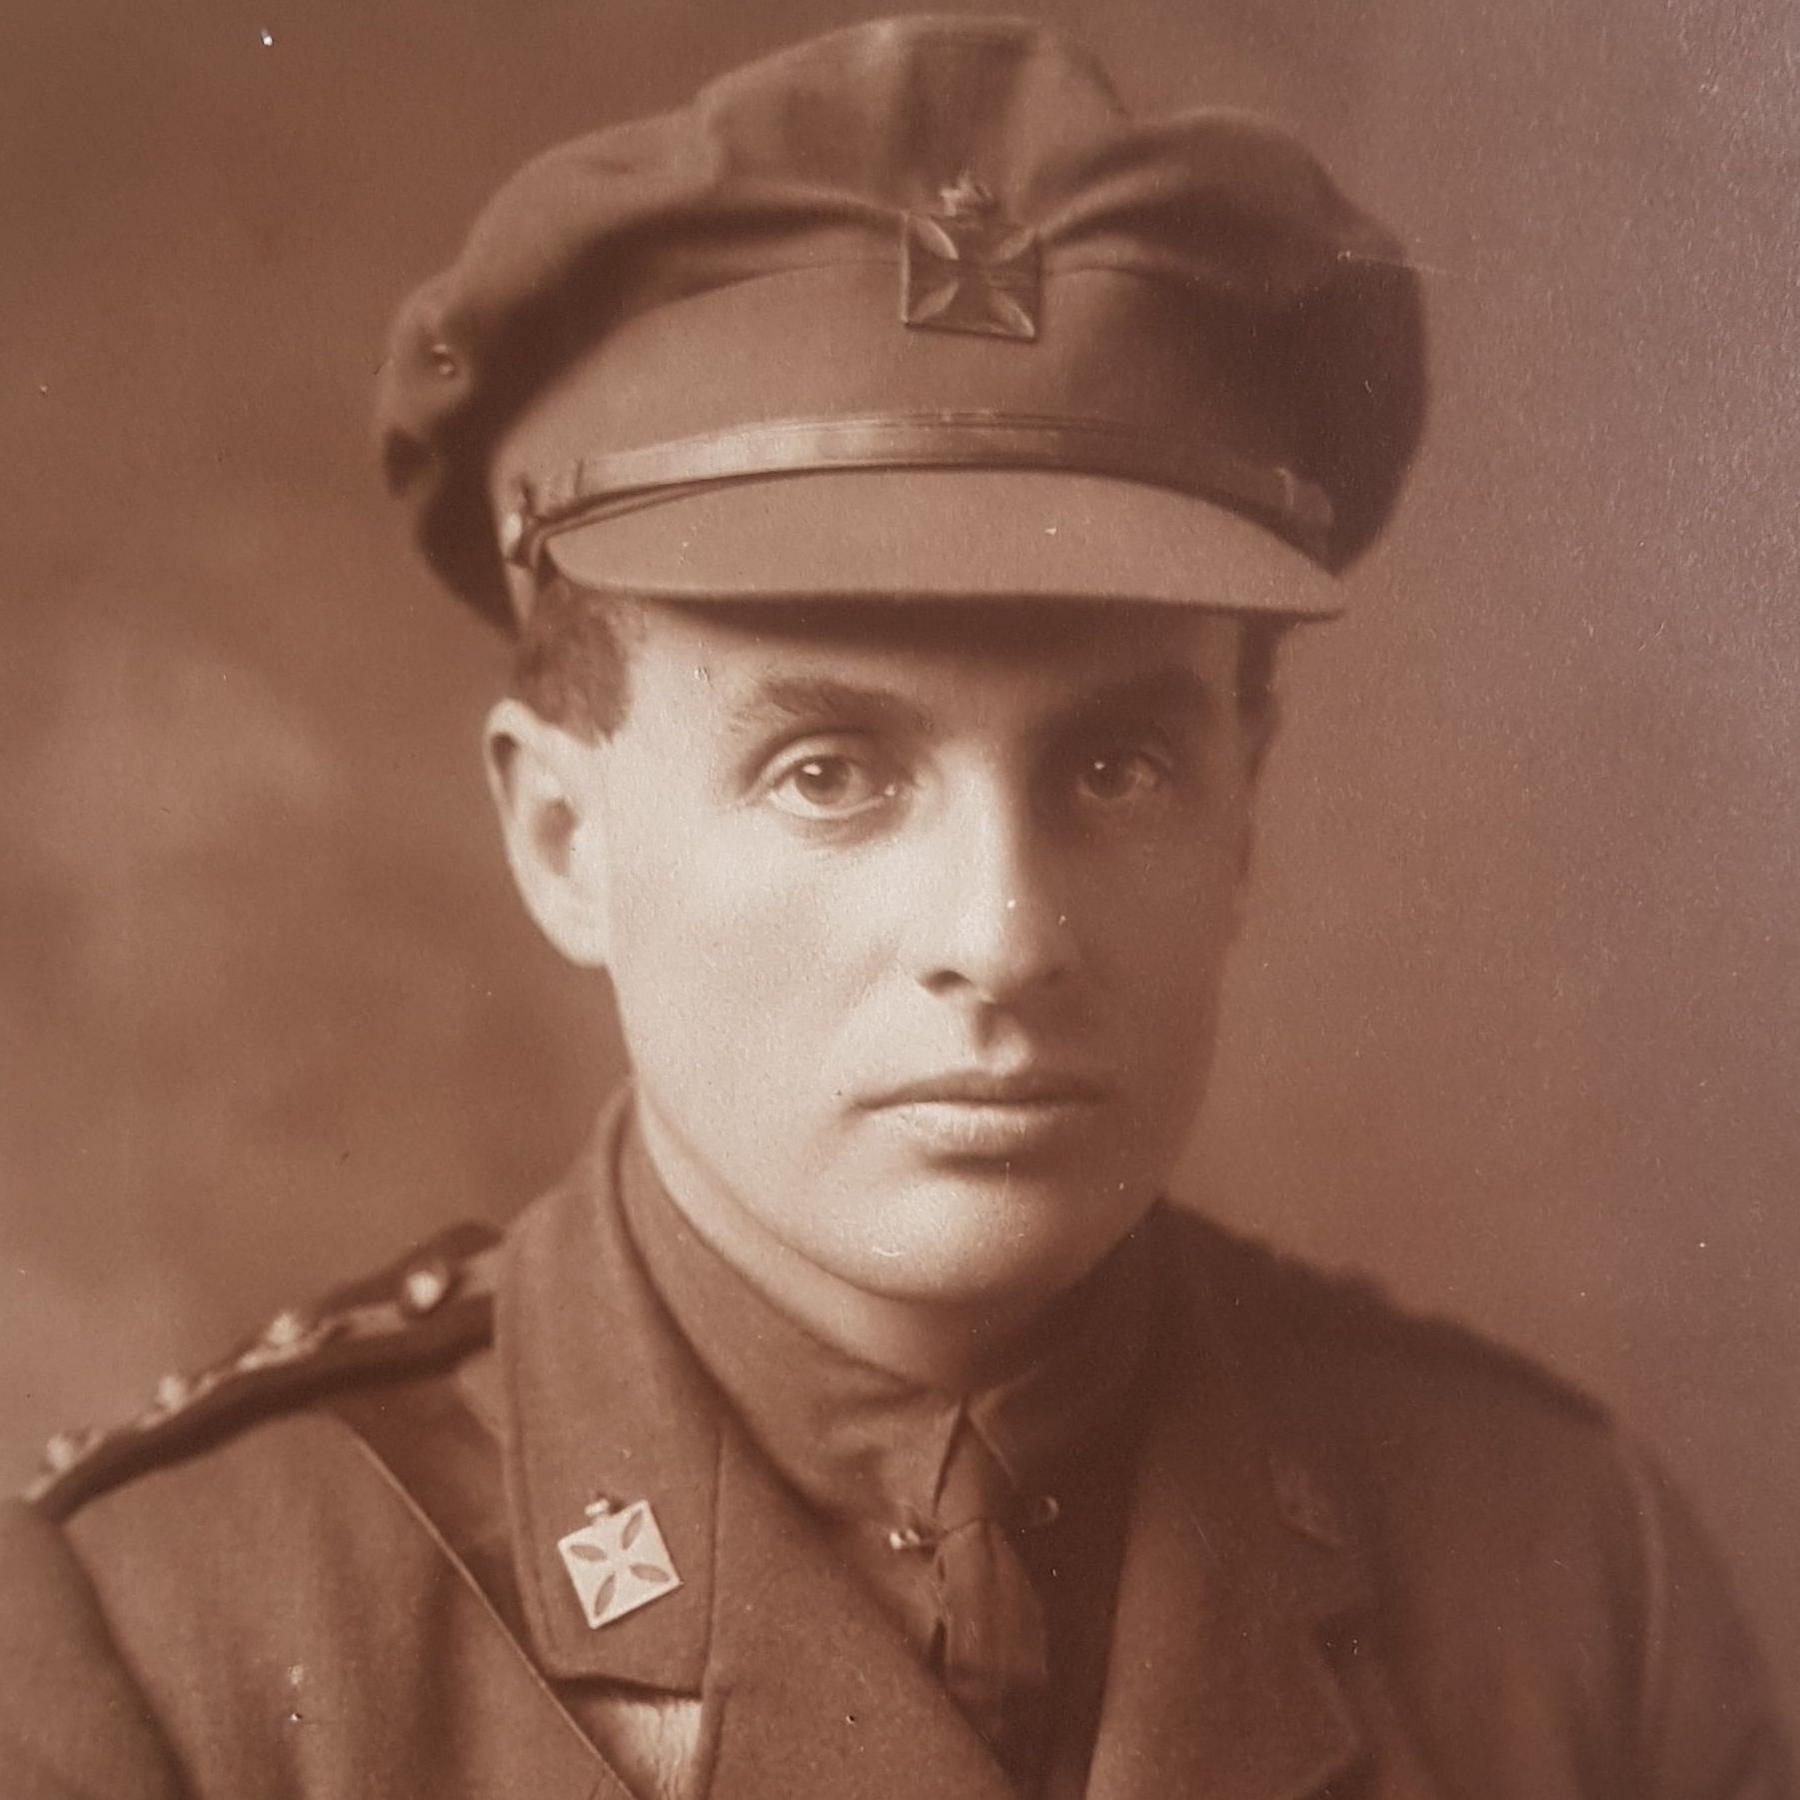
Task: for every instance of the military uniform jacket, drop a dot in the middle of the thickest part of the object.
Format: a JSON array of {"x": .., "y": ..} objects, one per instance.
[{"x": 1365, "y": 1557}]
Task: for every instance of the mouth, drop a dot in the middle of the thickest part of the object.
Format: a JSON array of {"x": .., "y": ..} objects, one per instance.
[
  {"x": 984, "y": 1115},
  {"x": 994, "y": 1088}
]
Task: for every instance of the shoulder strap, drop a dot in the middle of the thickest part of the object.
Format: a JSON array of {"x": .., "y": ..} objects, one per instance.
[{"x": 424, "y": 1312}]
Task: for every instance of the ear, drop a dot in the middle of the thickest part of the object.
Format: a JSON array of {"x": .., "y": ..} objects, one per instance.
[{"x": 544, "y": 785}]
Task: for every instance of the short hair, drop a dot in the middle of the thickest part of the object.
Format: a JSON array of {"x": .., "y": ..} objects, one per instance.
[{"x": 572, "y": 664}]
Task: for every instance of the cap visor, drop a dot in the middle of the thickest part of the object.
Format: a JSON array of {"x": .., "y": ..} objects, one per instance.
[{"x": 975, "y": 534}]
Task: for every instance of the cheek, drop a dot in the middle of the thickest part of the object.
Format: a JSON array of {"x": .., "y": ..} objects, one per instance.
[
  {"x": 1165, "y": 913},
  {"x": 1158, "y": 939},
  {"x": 733, "y": 956}
]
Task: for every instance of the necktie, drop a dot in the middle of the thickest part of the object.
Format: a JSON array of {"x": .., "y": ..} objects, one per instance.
[{"x": 992, "y": 1647}]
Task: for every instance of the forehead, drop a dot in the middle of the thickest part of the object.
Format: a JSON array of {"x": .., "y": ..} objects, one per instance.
[{"x": 949, "y": 655}]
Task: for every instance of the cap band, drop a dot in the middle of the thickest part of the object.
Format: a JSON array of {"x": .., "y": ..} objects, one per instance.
[{"x": 587, "y": 489}]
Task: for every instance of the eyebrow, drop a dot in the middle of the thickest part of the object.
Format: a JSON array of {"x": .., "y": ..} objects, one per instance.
[
  {"x": 813, "y": 700},
  {"x": 1174, "y": 688}
]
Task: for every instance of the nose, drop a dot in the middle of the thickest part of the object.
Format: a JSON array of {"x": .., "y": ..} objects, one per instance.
[{"x": 991, "y": 914}]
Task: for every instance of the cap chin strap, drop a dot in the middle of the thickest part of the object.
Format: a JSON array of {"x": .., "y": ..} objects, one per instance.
[{"x": 599, "y": 486}]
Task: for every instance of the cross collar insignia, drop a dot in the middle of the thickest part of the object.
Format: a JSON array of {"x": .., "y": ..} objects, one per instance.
[{"x": 618, "y": 1562}]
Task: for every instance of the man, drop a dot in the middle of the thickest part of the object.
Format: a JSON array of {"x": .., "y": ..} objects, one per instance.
[{"x": 898, "y": 469}]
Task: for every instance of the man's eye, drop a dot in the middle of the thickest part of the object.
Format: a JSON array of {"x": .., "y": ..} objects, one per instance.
[
  {"x": 830, "y": 786},
  {"x": 1116, "y": 778}
]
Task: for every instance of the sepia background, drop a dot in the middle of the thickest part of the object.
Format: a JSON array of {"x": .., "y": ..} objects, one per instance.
[{"x": 1516, "y": 1024}]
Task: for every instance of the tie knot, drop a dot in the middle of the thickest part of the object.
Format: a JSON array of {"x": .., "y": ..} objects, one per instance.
[
  {"x": 977, "y": 1488},
  {"x": 976, "y": 1484}
]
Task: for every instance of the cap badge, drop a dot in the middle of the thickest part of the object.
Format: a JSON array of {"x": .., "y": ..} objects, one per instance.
[
  {"x": 968, "y": 267},
  {"x": 618, "y": 1562}
]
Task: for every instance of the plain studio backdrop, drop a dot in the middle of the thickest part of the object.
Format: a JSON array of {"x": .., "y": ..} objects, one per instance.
[{"x": 1515, "y": 1025}]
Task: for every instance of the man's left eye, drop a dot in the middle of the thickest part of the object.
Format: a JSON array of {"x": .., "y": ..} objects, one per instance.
[
  {"x": 829, "y": 786},
  {"x": 1118, "y": 777}
]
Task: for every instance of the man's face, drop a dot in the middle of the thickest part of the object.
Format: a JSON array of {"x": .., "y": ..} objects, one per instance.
[{"x": 916, "y": 917}]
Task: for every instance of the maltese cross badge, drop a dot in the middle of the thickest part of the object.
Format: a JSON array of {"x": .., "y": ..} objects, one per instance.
[
  {"x": 966, "y": 268},
  {"x": 618, "y": 1561}
]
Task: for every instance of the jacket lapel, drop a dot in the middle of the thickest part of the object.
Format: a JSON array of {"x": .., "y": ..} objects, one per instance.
[
  {"x": 599, "y": 1404},
  {"x": 818, "y": 1692},
  {"x": 1238, "y": 1559},
  {"x": 497, "y": 1726}
]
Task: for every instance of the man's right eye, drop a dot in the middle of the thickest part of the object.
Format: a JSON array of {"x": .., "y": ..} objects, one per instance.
[{"x": 830, "y": 785}]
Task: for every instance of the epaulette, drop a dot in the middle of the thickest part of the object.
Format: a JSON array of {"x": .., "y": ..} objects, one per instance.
[
  {"x": 1432, "y": 1340},
  {"x": 431, "y": 1307}
]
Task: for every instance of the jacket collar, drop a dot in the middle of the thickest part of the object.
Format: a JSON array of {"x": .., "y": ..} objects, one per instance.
[
  {"x": 600, "y": 1402},
  {"x": 807, "y": 1686}
]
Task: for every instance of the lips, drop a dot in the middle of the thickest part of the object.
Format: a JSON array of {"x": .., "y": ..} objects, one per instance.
[
  {"x": 996, "y": 1088},
  {"x": 984, "y": 1116}
]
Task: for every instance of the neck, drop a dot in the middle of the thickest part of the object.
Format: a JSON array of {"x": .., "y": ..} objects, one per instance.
[{"x": 953, "y": 1346}]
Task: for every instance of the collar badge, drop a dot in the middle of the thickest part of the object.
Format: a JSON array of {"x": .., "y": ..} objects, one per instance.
[
  {"x": 618, "y": 1562},
  {"x": 968, "y": 268}
]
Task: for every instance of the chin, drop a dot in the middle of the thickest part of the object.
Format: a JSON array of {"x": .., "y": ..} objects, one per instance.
[{"x": 965, "y": 1240}]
